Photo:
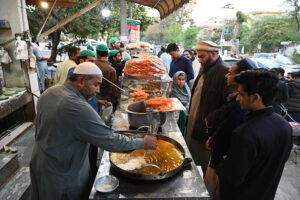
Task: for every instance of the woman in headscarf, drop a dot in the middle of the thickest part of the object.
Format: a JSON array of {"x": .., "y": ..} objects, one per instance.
[{"x": 181, "y": 91}]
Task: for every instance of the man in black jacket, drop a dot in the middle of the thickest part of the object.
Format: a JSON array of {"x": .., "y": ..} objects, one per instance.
[
  {"x": 209, "y": 94},
  {"x": 260, "y": 146},
  {"x": 231, "y": 118}
]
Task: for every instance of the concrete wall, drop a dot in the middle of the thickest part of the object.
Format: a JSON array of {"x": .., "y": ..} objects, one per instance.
[{"x": 14, "y": 11}]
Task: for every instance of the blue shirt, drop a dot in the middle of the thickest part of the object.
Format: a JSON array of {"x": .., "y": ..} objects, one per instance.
[
  {"x": 93, "y": 101},
  {"x": 182, "y": 64}
]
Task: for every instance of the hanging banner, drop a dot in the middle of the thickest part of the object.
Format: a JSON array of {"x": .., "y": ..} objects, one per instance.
[{"x": 133, "y": 30}]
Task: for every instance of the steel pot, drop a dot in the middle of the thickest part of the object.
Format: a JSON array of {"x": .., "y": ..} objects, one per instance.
[
  {"x": 162, "y": 175},
  {"x": 138, "y": 116}
]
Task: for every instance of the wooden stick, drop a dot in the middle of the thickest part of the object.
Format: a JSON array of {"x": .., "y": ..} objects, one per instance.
[{"x": 79, "y": 13}]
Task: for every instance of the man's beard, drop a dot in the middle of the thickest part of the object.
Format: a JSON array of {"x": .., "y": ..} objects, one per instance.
[
  {"x": 85, "y": 92},
  {"x": 208, "y": 62}
]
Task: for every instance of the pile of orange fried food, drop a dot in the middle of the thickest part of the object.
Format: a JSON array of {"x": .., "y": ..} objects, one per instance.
[
  {"x": 150, "y": 66},
  {"x": 139, "y": 94},
  {"x": 160, "y": 103}
]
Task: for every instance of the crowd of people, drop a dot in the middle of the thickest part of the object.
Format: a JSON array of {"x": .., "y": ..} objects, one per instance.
[{"x": 234, "y": 129}]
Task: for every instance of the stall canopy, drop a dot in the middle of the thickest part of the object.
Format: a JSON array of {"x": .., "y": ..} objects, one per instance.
[{"x": 164, "y": 7}]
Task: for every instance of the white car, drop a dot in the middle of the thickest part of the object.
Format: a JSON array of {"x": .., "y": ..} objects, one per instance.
[{"x": 91, "y": 42}]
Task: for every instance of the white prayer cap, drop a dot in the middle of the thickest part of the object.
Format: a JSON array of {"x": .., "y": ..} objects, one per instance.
[{"x": 87, "y": 68}]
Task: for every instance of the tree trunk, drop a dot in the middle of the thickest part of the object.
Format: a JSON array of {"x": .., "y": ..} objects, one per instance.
[
  {"x": 55, "y": 42},
  {"x": 236, "y": 33},
  {"x": 296, "y": 13}
]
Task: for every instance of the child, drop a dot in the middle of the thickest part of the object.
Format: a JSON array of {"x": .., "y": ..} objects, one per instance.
[{"x": 181, "y": 91}]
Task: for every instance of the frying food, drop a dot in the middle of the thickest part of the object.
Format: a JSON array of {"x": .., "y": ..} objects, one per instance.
[
  {"x": 145, "y": 66},
  {"x": 160, "y": 103},
  {"x": 167, "y": 156},
  {"x": 139, "y": 94}
]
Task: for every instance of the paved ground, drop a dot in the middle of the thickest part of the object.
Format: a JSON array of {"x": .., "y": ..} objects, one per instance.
[{"x": 289, "y": 187}]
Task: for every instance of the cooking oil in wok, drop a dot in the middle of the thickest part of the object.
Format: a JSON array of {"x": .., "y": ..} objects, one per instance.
[{"x": 167, "y": 156}]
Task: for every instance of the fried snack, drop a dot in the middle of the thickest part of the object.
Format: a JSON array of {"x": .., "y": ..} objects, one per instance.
[
  {"x": 151, "y": 86},
  {"x": 160, "y": 103},
  {"x": 145, "y": 66},
  {"x": 139, "y": 94}
]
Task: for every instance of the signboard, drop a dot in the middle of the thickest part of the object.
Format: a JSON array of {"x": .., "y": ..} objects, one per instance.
[{"x": 133, "y": 30}]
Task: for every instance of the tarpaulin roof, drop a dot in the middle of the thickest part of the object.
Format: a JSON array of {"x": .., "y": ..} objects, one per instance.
[{"x": 164, "y": 7}]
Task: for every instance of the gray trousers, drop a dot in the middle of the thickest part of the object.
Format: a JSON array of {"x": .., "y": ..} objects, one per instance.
[{"x": 200, "y": 154}]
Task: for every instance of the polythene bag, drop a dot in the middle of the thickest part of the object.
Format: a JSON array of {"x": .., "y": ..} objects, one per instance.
[{"x": 145, "y": 66}]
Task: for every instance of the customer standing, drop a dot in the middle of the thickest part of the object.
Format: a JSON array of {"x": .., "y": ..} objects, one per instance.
[
  {"x": 208, "y": 96},
  {"x": 180, "y": 63},
  {"x": 260, "y": 146},
  {"x": 231, "y": 118},
  {"x": 196, "y": 65},
  {"x": 166, "y": 58},
  {"x": 42, "y": 66},
  {"x": 63, "y": 67},
  {"x": 108, "y": 91},
  {"x": 181, "y": 91},
  {"x": 293, "y": 103}
]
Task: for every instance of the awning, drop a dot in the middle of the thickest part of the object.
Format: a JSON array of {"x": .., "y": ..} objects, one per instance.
[{"x": 164, "y": 7}]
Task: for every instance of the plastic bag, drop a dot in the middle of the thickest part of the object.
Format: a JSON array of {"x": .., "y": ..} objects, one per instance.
[
  {"x": 105, "y": 113},
  {"x": 120, "y": 121},
  {"x": 146, "y": 66}
]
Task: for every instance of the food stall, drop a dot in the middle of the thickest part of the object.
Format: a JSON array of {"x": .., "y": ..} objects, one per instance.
[
  {"x": 185, "y": 184},
  {"x": 168, "y": 171}
]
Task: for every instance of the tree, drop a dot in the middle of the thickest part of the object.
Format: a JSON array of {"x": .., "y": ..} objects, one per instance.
[
  {"x": 90, "y": 24},
  {"x": 174, "y": 34},
  {"x": 190, "y": 37},
  {"x": 270, "y": 31},
  {"x": 296, "y": 8},
  {"x": 170, "y": 29},
  {"x": 240, "y": 19}
]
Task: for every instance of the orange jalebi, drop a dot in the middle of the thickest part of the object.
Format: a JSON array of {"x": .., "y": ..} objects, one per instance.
[
  {"x": 145, "y": 66},
  {"x": 160, "y": 103},
  {"x": 139, "y": 94}
]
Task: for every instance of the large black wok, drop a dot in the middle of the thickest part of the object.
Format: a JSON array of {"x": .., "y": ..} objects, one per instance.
[{"x": 153, "y": 177}]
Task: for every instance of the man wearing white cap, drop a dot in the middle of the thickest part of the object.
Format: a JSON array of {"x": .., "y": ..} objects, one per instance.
[
  {"x": 209, "y": 94},
  {"x": 65, "y": 125}
]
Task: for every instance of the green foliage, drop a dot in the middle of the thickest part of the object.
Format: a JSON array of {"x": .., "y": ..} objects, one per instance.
[
  {"x": 270, "y": 31},
  {"x": 241, "y": 17},
  {"x": 296, "y": 58},
  {"x": 244, "y": 38},
  {"x": 90, "y": 24},
  {"x": 190, "y": 37},
  {"x": 174, "y": 33},
  {"x": 170, "y": 29}
]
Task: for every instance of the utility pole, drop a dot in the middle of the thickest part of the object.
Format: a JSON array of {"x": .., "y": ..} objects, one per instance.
[
  {"x": 227, "y": 6},
  {"x": 123, "y": 20}
]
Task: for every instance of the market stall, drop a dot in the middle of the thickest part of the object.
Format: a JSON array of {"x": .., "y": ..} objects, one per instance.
[
  {"x": 168, "y": 171},
  {"x": 186, "y": 184}
]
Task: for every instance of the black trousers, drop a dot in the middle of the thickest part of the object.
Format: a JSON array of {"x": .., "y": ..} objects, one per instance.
[{"x": 93, "y": 155}]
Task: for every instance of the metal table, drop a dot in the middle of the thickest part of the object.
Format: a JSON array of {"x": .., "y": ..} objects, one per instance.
[{"x": 187, "y": 184}]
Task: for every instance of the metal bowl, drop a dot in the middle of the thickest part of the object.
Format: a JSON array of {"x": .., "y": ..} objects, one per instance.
[
  {"x": 138, "y": 116},
  {"x": 106, "y": 184}
]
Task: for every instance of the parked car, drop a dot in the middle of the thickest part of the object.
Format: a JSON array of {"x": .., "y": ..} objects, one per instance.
[
  {"x": 265, "y": 63},
  {"x": 229, "y": 60},
  {"x": 91, "y": 42},
  {"x": 282, "y": 61}
]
